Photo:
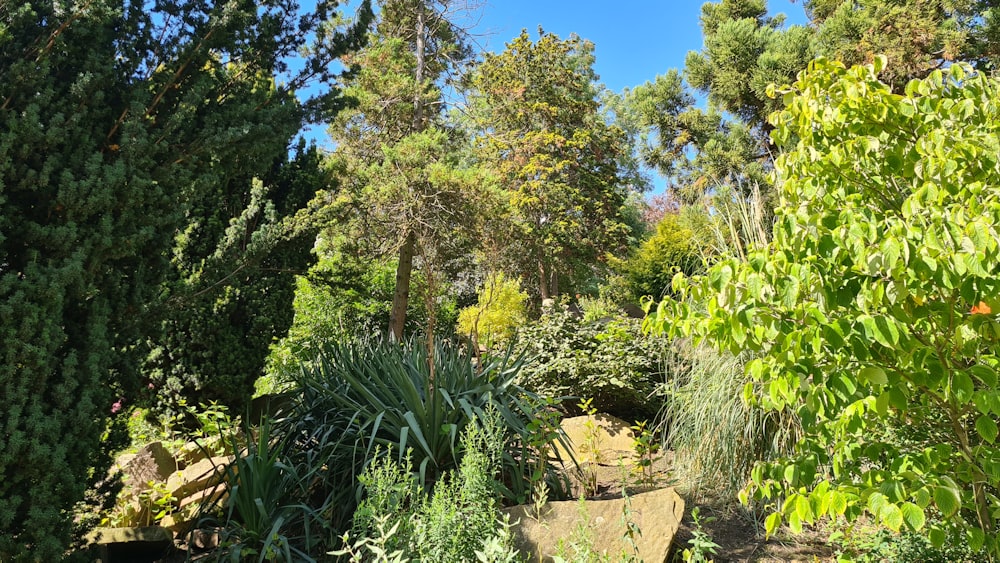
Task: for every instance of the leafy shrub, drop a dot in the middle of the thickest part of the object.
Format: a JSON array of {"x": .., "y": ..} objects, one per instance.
[
  {"x": 875, "y": 303},
  {"x": 500, "y": 311},
  {"x": 612, "y": 362},
  {"x": 651, "y": 267},
  {"x": 378, "y": 396},
  {"x": 342, "y": 297}
]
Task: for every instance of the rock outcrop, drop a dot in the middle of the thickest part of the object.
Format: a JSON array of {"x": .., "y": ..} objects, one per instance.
[{"x": 605, "y": 524}]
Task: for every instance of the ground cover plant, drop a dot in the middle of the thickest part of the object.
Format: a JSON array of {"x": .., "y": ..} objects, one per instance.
[{"x": 873, "y": 305}]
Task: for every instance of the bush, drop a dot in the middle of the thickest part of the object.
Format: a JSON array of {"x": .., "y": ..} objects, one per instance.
[
  {"x": 875, "y": 303},
  {"x": 459, "y": 521},
  {"x": 652, "y": 266},
  {"x": 611, "y": 362},
  {"x": 500, "y": 311},
  {"x": 341, "y": 297},
  {"x": 372, "y": 397}
]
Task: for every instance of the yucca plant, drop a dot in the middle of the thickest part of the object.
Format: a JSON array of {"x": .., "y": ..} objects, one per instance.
[
  {"x": 380, "y": 396},
  {"x": 266, "y": 514}
]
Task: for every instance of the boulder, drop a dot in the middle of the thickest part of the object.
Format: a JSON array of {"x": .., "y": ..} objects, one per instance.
[
  {"x": 198, "y": 477},
  {"x": 152, "y": 462},
  {"x": 193, "y": 452},
  {"x": 656, "y": 514},
  {"x": 609, "y": 440}
]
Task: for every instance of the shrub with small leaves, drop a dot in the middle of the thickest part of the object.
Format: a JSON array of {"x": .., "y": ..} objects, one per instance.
[
  {"x": 609, "y": 361},
  {"x": 500, "y": 311}
]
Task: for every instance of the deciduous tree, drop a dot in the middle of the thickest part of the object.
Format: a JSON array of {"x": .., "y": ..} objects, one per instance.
[{"x": 874, "y": 305}]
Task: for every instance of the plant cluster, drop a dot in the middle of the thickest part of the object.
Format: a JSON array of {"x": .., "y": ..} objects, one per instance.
[
  {"x": 609, "y": 361},
  {"x": 873, "y": 305},
  {"x": 458, "y": 521}
]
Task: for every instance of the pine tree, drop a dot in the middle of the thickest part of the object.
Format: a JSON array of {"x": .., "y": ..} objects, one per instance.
[
  {"x": 556, "y": 158},
  {"x": 403, "y": 188}
]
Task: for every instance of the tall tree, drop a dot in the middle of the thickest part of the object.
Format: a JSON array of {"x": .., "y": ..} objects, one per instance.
[
  {"x": 915, "y": 36},
  {"x": 555, "y": 157},
  {"x": 118, "y": 119},
  {"x": 401, "y": 182},
  {"x": 745, "y": 50}
]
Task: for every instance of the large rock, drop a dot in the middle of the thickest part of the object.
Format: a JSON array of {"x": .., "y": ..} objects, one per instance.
[
  {"x": 657, "y": 515},
  {"x": 198, "y": 477},
  {"x": 152, "y": 462},
  {"x": 601, "y": 438}
]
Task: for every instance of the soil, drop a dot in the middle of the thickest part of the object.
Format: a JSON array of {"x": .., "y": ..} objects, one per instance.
[{"x": 739, "y": 536}]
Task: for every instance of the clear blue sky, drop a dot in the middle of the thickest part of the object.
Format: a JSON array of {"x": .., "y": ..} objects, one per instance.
[{"x": 634, "y": 40}]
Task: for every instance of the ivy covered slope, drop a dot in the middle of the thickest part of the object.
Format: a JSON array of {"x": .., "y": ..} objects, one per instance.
[{"x": 871, "y": 311}]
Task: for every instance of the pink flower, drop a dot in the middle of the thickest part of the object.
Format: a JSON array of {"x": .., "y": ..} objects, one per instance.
[
  {"x": 117, "y": 406},
  {"x": 151, "y": 386}
]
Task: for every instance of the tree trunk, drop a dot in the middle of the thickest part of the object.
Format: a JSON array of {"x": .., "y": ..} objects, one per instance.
[
  {"x": 418, "y": 96},
  {"x": 543, "y": 282},
  {"x": 401, "y": 295}
]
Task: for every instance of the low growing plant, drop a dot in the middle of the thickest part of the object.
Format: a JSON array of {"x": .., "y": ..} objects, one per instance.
[
  {"x": 459, "y": 521},
  {"x": 701, "y": 546},
  {"x": 268, "y": 513}
]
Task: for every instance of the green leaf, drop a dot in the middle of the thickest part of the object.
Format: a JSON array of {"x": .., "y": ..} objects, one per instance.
[
  {"x": 874, "y": 375},
  {"x": 838, "y": 503},
  {"x": 937, "y": 537},
  {"x": 795, "y": 523},
  {"x": 914, "y": 517},
  {"x": 771, "y": 523},
  {"x": 987, "y": 428},
  {"x": 947, "y": 500},
  {"x": 962, "y": 387},
  {"x": 892, "y": 516},
  {"x": 976, "y": 538}
]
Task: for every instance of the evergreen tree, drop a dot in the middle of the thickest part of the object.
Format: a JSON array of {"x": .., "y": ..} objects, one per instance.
[
  {"x": 556, "y": 158},
  {"x": 403, "y": 191},
  {"x": 118, "y": 121}
]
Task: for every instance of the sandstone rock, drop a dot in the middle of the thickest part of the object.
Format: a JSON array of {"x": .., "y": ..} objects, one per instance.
[
  {"x": 193, "y": 452},
  {"x": 657, "y": 515},
  {"x": 145, "y": 534},
  {"x": 610, "y": 440},
  {"x": 200, "y": 476},
  {"x": 152, "y": 462},
  {"x": 178, "y": 524}
]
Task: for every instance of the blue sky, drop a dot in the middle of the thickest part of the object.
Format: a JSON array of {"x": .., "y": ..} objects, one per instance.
[{"x": 634, "y": 40}]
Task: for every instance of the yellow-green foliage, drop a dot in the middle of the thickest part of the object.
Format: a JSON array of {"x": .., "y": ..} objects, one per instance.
[
  {"x": 673, "y": 248},
  {"x": 500, "y": 310}
]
